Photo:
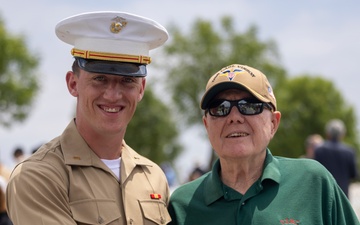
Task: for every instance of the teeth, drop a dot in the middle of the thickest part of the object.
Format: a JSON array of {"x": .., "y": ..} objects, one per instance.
[
  {"x": 111, "y": 109},
  {"x": 237, "y": 135}
]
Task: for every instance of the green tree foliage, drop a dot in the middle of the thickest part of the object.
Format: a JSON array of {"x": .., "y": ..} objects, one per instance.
[
  {"x": 18, "y": 78},
  {"x": 152, "y": 131},
  {"x": 192, "y": 58},
  {"x": 307, "y": 103}
]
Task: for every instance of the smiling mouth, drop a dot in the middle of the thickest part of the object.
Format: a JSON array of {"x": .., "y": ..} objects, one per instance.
[
  {"x": 233, "y": 135},
  {"x": 111, "y": 110}
]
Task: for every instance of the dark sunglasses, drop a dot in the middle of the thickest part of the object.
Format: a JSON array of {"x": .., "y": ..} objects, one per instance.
[{"x": 250, "y": 106}]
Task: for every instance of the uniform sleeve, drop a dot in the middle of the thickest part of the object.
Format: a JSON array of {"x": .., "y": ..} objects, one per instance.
[{"x": 37, "y": 194}]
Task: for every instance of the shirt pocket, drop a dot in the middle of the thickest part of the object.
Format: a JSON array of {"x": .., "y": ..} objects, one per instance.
[
  {"x": 99, "y": 211},
  {"x": 155, "y": 211}
]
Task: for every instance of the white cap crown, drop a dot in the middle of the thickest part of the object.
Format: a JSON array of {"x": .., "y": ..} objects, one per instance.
[{"x": 112, "y": 36}]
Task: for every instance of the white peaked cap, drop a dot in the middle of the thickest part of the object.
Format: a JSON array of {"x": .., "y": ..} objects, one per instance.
[{"x": 112, "y": 36}]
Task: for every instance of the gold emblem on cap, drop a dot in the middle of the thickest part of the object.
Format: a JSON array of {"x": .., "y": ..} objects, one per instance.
[{"x": 118, "y": 24}]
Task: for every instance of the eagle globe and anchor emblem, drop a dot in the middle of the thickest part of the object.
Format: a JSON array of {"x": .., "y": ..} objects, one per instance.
[{"x": 118, "y": 24}]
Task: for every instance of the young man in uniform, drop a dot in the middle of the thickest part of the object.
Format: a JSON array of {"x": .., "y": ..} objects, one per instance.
[{"x": 89, "y": 175}]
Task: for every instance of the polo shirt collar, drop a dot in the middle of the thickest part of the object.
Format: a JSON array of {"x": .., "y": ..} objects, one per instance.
[
  {"x": 214, "y": 185},
  {"x": 271, "y": 168}
]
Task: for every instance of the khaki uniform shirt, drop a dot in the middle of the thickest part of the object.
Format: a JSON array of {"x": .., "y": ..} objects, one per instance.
[{"x": 65, "y": 182}]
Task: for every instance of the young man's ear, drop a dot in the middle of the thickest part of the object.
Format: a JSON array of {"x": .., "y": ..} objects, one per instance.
[
  {"x": 71, "y": 82},
  {"x": 142, "y": 90}
]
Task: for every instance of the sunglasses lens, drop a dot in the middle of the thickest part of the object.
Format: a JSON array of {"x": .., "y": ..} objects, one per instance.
[
  {"x": 221, "y": 107},
  {"x": 250, "y": 108}
]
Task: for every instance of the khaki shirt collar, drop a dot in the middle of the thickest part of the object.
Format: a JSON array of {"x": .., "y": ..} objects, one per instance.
[
  {"x": 75, "y": 149},
  {"x": 77, "y": 152}
]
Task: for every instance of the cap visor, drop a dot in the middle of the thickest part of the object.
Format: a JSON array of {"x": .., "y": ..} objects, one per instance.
[
  {"x": 212, "y": 92},
  {"x": 114, "y": 68}
]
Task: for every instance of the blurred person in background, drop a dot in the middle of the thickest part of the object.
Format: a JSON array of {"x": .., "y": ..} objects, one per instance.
[
  {"x": 336, "y": 156},
  {"x": 196, "y": 173},
  {"x": 311, "y": 142},
  {"x": 18, "y": 155},
  {"x": 4, "y": 171},
  {"x": 4, "y": 218}
]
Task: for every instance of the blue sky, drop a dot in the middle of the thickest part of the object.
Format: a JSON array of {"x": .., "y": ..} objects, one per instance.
[{"x": 316, "y": 37}]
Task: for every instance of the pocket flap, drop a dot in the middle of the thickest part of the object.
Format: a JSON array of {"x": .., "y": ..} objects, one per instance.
[
  {"x": 155, "y": 210},
  {"x": 85, "y": 211}
]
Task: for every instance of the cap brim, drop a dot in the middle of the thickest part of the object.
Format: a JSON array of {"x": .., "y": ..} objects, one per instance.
[
  {"x": 213, "y": 91},
  {"x": 112, "y": 67}
]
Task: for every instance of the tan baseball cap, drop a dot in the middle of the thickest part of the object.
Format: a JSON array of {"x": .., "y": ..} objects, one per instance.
[{"x": 239, "y": 77}]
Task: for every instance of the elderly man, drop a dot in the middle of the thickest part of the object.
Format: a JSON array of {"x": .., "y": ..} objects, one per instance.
[{"x": 247, "y": 184}]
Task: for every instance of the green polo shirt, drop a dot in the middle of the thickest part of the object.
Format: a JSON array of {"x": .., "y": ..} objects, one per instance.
[{"x": 290, "y": 191}]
